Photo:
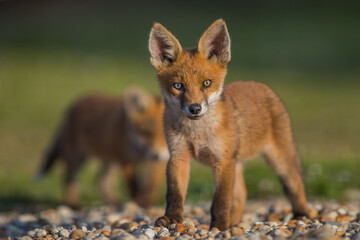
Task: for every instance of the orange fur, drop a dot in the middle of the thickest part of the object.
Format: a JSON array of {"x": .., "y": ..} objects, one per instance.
[
  {"x": 118, "y": 131},
  {"x": 220, "y": 126}
]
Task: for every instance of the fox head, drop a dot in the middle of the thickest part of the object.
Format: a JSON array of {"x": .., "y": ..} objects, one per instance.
[
  {"x": 191, "y": 79},
  {"x": 144, "y": 118}
]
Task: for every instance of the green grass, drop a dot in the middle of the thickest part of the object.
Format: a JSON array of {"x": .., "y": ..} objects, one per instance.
[{"x": 51, "y": 54}]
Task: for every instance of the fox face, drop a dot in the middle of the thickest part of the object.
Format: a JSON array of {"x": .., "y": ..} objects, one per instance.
[
  {"x": 144, "y": 113},
  {"x": 191, "y": 79}
]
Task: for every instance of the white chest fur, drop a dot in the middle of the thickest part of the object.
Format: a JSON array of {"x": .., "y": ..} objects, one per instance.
[{"x": 199, "y": 135}]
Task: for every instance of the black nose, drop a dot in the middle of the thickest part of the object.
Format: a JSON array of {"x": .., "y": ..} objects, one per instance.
[{"x": 195, "y": 108}]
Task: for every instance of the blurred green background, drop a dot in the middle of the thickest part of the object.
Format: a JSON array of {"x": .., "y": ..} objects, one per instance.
[{"x": 52, "y": 52}]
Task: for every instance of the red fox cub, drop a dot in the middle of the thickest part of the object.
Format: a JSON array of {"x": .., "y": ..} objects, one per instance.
[
  {"x": 117, "y": 131},
  {"x": 220, "y": 126}
]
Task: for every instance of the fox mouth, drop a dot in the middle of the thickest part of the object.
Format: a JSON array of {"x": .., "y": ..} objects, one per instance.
[{"x": 195, "y": 117}]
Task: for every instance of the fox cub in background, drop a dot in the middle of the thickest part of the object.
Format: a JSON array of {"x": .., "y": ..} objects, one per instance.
[
  {"x": 124, "y": 131},
  {"x": 220, "y": 126}
]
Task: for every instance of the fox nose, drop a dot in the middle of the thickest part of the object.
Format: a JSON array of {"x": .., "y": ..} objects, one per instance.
[{"x": 195, "y": 108}]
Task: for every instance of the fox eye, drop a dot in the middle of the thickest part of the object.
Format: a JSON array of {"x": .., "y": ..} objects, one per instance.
[
  {"x": 207, "y": 83},
  {"x": 178, "y": 86}
]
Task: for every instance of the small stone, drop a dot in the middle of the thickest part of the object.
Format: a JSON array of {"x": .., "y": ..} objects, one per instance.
[
  {"x": 278, "y": 234},
  {"x": 150, "y": 233},
  {"x": 107, "y": 228},
  {"x": 343, "y": 218},
  {"x": 341, "y": 211},
  {"x": 181, "y": 228},
  {"x": 116, "y": 232},
  {"x": 244, "y": 225},
  {"x": 77, "y": 234},
  {"x": 106, "y": 233},
  {"x": 40, "y": 233},
  {"x": 256, "y": 227},
  {"x": 164, "y": 232},
  {"x": 31, "y": 233},
  {"x": 227, "y": 234},
  {"x": 25, "y": 238},
  {"x": 64, "y": 233},
  {"x": 213, "y": 232},
  {"x": 131, "y": 207},
  {"x": 190, "y": 231},
  {"x": 190, "y": 223},
  {"x": 272, "y": 224},
  {"x": 324, "y": 218},
  {"x": 293, "y": 223},
  {"x": 140, "y": 236},
  {"x": 331, "y": 214},
  {"x": 300, "y": 228},
  {"x": 201, "y": 232},
  {"x": 203, "y": 226},
  {"x": 313, "y": 213},
  {"x": 300, "y": 223},
  {"x": 237, "y": 231},
  {"x": 339, "y": 233},
  {"x": 122, "y": 236},
  {"x": 198, "y": 211},
  {"x": 287, "y": 218},
  {"x": 307, "y": 221},
  {"x": 165, "y": 238},
  {"x": 130, "y": 226},
  {"x": 286, "y": 231},
  {"x": 320, "y": 233},
  {"x": 183, "y": 237},
  {"x": 88, "y": 237},
  {"x": 172, "y": 226},
  {"x": 275, "y": 217},
  {"x": 264, "y": 229}
]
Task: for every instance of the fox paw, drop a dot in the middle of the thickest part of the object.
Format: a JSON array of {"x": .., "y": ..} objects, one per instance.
[{"x": 166, "y": 221}]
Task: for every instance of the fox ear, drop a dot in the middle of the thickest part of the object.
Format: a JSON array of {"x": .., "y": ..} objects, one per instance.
[
  {"x": 215, "y": 42},
  {"x": 163, "y": 46},
  {"x": 136, "y": 100}
]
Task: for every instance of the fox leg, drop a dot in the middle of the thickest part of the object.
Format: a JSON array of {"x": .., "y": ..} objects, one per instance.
[
  {"x": 224, "y": 174},
  {"x": 105, "y": 183},
  {"x": 239, "y": 195},
  {"x": 73, "y": 165},
  {"x": 286, "y": 164},
  {"x": 129, "y": 171},
  {"x": 154, "y": 173},
  {"x": 177, "y": 178}
]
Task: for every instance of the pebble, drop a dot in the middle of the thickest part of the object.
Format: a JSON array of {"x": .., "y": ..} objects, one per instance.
[
  {"x": 262, "y": 220},
  {"x": 164, "y": 232},
  {"x": 343, "y": 218},
  {"x": 237, "y": 231},
  {"x": 40, "y": 233},
  {"x": 77, "y": 234},
  {"x": 64, "y": 233},
  {"x": 25, "y": 238},
  {"x": 150, "y": 233}
]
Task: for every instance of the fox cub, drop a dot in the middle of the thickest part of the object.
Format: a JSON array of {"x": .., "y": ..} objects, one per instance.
[
  {"x": 220, "y": 126},
  {"x": 119, "y": 131}
]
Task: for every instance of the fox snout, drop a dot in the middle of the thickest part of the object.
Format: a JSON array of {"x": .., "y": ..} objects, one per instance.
[
  {"x": 194, "y": 111},
  {"x": 162, "y": 155}
]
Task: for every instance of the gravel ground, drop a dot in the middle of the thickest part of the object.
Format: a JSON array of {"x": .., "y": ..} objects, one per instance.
[{"x": 263, "y": 219}]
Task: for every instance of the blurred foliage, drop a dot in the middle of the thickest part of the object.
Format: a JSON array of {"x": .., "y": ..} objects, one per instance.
[{"x": 52, "y": 52}]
